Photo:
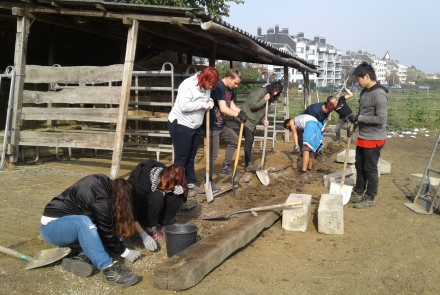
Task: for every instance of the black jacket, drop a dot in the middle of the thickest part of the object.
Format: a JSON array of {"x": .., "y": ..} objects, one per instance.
[
  {"x": 140, "y": 177},
  {"x": 90, "y": 197}
]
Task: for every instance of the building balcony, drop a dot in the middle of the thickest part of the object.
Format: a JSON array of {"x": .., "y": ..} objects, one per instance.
[
  {"x": 338, "y": 69},
  {"x": 337, "y": 60}
]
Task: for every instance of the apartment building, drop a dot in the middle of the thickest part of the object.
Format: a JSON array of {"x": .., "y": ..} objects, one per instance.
[
  {"x": 353, "y": 58},
  {"x": 315, "y": 51}
]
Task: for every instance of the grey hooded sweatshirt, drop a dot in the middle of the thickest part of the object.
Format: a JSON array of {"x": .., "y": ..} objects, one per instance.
[{"x": 373, "y": 111}]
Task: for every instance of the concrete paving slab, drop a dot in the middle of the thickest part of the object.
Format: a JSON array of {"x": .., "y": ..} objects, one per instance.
[{"x": 297, "y": 219}]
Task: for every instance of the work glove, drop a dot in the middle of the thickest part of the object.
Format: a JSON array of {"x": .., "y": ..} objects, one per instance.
[
  {"x": 296, "y": 149},
  {"x": 349, "y": 133},
  {"x": 209, "y": 105},
  {"x": 133, "y": 255},
  {"x": 178, "y": 190},
  {"x": 353, "y": 118},
  {"x": 242, "y": 116},
  {"x": 148, "y": 241}
]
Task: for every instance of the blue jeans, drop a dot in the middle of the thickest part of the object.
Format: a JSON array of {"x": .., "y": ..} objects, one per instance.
[
  {"x": 367, "y": 174},
  {"x": 73, "y": 229}
]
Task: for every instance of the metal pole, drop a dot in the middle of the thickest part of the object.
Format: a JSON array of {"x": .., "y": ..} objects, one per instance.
[{"x": 10, "y": 71}]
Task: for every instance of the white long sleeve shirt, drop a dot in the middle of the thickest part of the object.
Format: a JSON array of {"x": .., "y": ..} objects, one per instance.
[{"x": 189, "y": 108}]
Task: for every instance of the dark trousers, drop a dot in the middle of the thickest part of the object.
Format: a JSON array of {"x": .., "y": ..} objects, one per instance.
[
  {"x": 157, "y": 208},
  {"x": 185, "y": 143},
  {"x": 367, "y": 178},
  {"x": 248, "y": 143}
]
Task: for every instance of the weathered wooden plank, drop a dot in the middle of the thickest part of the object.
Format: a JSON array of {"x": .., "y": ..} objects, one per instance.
[
  {"x": 190, "y": 266},
  {"x": 130, "y": 53},
  {"x": 21, "y": 40},
  {"x": 75, "y": 114},
  {"x": 89, "y": 95},
  {"x": 73, "y": 75},
  {"x": 95, "y": 140}
]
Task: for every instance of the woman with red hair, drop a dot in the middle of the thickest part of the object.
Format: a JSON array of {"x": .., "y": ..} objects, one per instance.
[
  {"x": 186, "y": 117},
  {"x": 160, "y": 192}
]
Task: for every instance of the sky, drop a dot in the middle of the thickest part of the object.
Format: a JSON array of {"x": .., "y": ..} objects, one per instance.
[{"x": 409, "y": 30}]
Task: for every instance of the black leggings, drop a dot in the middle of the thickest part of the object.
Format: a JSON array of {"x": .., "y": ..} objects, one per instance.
[{"x": 248, "y": 143}]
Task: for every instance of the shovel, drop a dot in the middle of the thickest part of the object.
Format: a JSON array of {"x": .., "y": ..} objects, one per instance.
[
  {"x": 208, "y": 188},
  {"x": 342, "y": 188},
  {"x": 42, "y": 258},
  {"x": 262, "y": 174},
  {"x": 237, "y": 152},
  {"x": 252, "y": 210}
]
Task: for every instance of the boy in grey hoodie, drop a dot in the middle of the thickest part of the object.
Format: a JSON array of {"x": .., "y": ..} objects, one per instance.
[{"x": 372, "y": 120}]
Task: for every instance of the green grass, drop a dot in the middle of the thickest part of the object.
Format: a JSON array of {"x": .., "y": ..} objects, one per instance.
[{"x": 406, "y": 110}]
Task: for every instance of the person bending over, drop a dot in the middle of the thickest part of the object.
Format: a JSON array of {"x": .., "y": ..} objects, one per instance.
[
  {"x": 160, "y": 192},
  {"x": 96, "y": 213}
]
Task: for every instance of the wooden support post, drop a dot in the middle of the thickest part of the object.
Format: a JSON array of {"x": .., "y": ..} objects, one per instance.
[
  {"x": 286, "y": 105},
  {"x": 213, "y": 56},
  {"x": 189, "y": 58},
  {"x": 125, "y": 97},
  {"x": 21, "y": 40},
  {"x": 231, "y": 64}
]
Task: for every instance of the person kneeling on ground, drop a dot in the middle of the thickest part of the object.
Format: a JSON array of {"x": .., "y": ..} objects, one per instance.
[
  {"x": 94, "y": 213},
  {"x": 160, "y": 192},
  {"x": 312, "y": 141},
  {"x": 255, "y": 109}
]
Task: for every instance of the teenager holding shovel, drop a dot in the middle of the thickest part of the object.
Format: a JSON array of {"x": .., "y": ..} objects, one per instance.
[
  {"x": 372, "y": 121},
  {"x": 344, "y": 111},
  {"x": 224, "y": 104},
  {"x": 96, "y": 213},
  {"x": 311, "y": 132},
  {"x": 184, "y": 121},
  {"x": 160, "y": 192},
  {"x": 255, "y": 109}
]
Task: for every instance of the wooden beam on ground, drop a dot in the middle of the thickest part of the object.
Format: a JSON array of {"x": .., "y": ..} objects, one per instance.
[
  {"x": 125, "y": 98},
  {"x": 21, "y": 40},
  {"x": 190, "y": 266}
]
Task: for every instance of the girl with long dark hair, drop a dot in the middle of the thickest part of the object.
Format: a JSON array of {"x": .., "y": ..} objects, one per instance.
[{"x": 96, "y": 213}]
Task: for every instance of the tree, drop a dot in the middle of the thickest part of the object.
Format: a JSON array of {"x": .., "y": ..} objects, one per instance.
[{"x": 217, "y": 8}]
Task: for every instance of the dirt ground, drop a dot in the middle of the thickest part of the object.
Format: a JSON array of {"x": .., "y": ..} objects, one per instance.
[{"x": 385, "y": 250}]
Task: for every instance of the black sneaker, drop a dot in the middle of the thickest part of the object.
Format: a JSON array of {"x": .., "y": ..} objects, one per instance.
[
  {"x": 116, "y": 274},
  {"x": 80, "y": 265},
  {"x": 355, "y": 197},
  {"x": 251, "y": 167},
  {"x": 226, "y": 171},
  {"x": 365, "y": 203},
  {"x": 215, "y": 188},
  {"x": 195, "y": 188}
]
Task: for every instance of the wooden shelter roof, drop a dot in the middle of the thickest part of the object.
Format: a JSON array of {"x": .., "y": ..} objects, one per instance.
[{"x": 183, "y": 30}]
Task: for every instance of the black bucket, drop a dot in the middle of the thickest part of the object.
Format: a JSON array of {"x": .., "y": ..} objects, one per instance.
[{"x": 179, "y": 237}]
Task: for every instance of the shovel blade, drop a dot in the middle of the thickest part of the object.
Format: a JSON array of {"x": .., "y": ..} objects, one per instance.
[
  {"x": 208, "y": 192},
  {"x": 263, "y": 176},
  {"x": 47, "y": 256},
  {"x": 344, "y": 190},
  {"x": 416, "y": 208}
]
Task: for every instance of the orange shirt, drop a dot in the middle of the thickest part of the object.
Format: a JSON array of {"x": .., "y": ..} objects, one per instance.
[{"x": 369, "y": 144}]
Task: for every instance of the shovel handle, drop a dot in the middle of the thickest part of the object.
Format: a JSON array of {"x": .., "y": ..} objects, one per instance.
[
  {"x": 347, "y": 152},
  {"x": 237, "y": 151},
  {"x": 265, "y": 138},
  {"x": 275, "y": 206},
  {"x": 14, "y": 253}
]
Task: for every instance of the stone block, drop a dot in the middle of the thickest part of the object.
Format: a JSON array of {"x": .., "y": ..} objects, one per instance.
[
  {"x": 295, "y": 219},
  {"x": 383, "y": 166},
  {"x": 331, "y": 214},
  {"x": 336, "y": 176},
  {"x": 351, "y": 157}
]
